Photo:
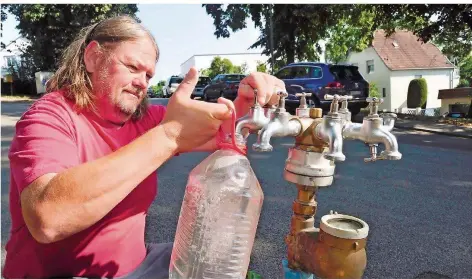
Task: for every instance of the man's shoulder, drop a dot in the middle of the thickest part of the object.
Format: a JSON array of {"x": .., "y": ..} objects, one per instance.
[
  {"x": 53, "y": 101},
  {"x": 53, "y": 105}
]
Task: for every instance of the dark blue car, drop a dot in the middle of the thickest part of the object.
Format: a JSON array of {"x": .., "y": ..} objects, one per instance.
[{"x": 320, "y": 79}]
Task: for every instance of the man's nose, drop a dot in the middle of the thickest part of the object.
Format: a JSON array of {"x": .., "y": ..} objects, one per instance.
[{"x": 140, "y": 81}]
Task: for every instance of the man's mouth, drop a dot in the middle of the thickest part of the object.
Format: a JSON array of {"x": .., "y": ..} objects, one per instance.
[{"x": 136, "y": 93}]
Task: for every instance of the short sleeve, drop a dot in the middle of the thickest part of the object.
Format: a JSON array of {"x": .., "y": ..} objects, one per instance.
[
  {"x": 157, "y": 113},
  {"x": 44, "y": 143}
]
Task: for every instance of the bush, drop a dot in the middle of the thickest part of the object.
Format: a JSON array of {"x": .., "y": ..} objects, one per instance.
[
  {"x": 417, "y": 93},
  {"x": 373, "y": 90},
  {"x": 463, "y": 83}
]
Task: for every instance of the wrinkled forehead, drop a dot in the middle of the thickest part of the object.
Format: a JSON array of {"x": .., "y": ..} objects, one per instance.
[{"x": 142, "y": 50}]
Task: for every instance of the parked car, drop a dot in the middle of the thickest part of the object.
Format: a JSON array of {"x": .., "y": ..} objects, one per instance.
[
  {"x": 203, "y": 81},
  {"x": 223, "y": 85},
  {"x": 171, "y": 85},
  {"x": 151, "y": 93},
  {"x": 322, "y": 78}
]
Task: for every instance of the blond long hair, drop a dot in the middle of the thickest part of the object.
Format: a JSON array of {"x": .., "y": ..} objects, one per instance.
[{"x": 72, "y": 76}]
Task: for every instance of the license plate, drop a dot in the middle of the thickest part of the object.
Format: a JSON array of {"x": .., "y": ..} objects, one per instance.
[{"x": 356, "y": 93}]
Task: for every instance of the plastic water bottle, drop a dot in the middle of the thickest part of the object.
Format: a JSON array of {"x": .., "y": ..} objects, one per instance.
[{"x": 218, "y": 219}]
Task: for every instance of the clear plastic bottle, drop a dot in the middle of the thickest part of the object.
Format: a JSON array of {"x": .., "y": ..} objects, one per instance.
[{"x": 218, "y": 219}]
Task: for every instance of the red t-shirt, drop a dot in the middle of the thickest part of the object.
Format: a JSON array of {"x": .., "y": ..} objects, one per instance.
[{"x": 51, "y": 137}]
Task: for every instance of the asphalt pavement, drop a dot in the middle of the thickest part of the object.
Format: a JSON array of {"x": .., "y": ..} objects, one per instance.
[{"x": 418, "y": 209}]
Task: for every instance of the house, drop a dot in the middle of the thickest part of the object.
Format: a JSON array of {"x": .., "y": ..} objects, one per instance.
[
  {"x": 203, "y": 61},
  {"x": 391, "y": 63},
  {"x": 11, "y": 55}
]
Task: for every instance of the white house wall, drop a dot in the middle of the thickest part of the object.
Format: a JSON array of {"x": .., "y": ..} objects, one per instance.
[
  {"x": 380, "y": 76},
  {"x": 436, "y": 79},
  {"x": 204, "y": 61}
]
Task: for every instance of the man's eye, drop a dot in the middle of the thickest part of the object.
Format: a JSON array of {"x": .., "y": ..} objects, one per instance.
[{"x": 132, "y": 67}]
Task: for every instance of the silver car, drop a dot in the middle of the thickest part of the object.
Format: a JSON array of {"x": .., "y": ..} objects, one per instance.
[{"x": 171, "y": 85}]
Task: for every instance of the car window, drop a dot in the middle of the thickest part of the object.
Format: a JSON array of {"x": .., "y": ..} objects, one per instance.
[
  {"x": 316, "y": 72},
  {"x": 203, "y": 80},
  {"x": 346, "y": 73},
  {"x": 176, "y": 80},
  {"x": 215, "y": 79},
  {"x": 301, "y": 72},
  {"x": 285, "y": 73},
  {"x": 233, "y": 77}
]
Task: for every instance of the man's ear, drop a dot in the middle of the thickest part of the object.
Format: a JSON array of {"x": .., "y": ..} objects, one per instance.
[{"x": 91, "y": 56}]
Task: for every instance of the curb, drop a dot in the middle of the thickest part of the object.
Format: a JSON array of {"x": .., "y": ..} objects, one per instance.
[{"x": 434, "y": 132}]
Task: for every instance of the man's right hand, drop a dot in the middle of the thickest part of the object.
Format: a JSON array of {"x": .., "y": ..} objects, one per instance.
[{"x": 192, "y": 123}]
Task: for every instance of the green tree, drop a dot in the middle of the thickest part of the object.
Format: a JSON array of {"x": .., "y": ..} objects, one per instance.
[
  {"x": 261, "y": 67},
  {"x": 51, "y": 27},
  {"x": 223, "y": 66},
  {"x": 298, "y": 28},
  {"x": 157, "y": 88},
  {"x": 466, "y": 69},
  {"x": 374, "y": 90},
  {"x": 352, "y": 33}
]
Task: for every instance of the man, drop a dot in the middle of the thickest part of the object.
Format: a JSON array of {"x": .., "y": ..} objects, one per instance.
[{"x": 84, "y": 158}]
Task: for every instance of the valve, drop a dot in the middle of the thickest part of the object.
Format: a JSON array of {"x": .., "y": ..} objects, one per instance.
[
  {"x": 303, "y": 96},
  {"x": 374, "y": 103},
  {"x": 303, "y": 110},
  {"x": 282, "y": 95},
  {"x": 336, "y": 99}
]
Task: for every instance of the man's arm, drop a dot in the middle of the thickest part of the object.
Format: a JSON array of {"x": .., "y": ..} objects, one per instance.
[{"x": 56, "y": 206}]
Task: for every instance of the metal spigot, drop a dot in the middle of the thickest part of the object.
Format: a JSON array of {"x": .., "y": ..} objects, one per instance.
[
  {"x": 281, "y": 124},
  {"x": 373, "y": 131},
  {"x": 330, "y": 130},
  {"x": 303, "y": 110},
  {"x": 344, "y": 111},
  {"x": 254, "y": 120}
]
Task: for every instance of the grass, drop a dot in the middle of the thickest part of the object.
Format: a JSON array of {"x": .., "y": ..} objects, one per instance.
[{"x": 17, "y": 98}]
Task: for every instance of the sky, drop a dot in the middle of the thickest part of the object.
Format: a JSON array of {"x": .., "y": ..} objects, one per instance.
[{"x": 181, "y": 31}]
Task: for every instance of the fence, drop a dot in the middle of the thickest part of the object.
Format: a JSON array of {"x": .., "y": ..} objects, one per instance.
[{"x": 422, "y": 112}]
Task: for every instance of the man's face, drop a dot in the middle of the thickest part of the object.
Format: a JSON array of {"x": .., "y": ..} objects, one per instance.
[{"x": 122, "y": 78}]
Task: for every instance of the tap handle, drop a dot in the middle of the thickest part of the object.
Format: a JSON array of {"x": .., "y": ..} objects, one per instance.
[
  {"x": 336, "y": 99},
  {"x": 256, "y": 103},
  {"x": 282, "y": 95},
  {"x": 303, "y": 96},
  {"x": 374, "y": 103}
]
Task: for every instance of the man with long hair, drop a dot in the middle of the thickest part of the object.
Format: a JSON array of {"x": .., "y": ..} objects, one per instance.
[{"x": 84, "y": 157}]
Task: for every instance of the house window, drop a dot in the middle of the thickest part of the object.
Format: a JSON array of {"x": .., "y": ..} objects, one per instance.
[
  {"x": 370, "y": 66},
  {"x": 384, "y": 93},
  {"x": 418, "y": 76},
  {"x": 10, "y": 60}
]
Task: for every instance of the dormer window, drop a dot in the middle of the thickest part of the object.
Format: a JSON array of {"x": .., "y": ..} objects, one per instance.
[{"x": 395, "y": 44}]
